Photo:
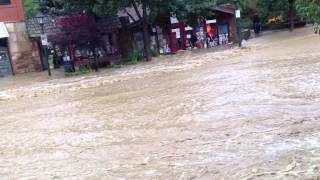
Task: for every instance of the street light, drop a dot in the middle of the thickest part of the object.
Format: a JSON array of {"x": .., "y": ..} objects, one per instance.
[
  {"x": 238, "y": 16},
  {"x": 40, "y": 19}
]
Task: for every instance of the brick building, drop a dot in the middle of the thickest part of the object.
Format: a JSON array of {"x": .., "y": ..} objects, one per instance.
[{"x": 17, "y": 53}]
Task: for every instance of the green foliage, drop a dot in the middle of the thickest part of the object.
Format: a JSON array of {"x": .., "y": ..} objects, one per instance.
[
  {"x": 84, "y": 69},
  {"x": 310, "y": 9},
  {"x": 134, "y": 57},
  {"x": 272, "y": 8},
  {"x": 155, "y": 52},
  {"x": 30, "y": 8},
  {"x": 246, "y": 23}
]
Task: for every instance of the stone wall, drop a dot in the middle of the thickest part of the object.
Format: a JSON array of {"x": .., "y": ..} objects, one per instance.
[{"x": 24, "y": 53}]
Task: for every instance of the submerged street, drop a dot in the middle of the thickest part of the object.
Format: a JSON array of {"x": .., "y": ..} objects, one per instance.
[{"x": 233, "y": 114}]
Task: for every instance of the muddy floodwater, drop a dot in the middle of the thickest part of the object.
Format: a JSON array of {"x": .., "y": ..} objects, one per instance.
[{"x": 233, "y": 114}]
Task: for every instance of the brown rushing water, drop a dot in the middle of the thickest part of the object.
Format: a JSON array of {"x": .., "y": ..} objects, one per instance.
[{"x": 237, "y": 114}]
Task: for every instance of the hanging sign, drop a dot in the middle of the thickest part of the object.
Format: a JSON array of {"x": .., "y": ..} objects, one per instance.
[
  {"x": 238, "y": 14},
  {"x": 174, "y": 20},
  {"x": 212, "y": 21},
  {"x": 44, "y": 40}
]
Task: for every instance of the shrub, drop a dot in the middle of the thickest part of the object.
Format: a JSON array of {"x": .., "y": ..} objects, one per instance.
[
  {"x": 246, "y": 23},
  {"x": 141, "y": 55},
  {"x": 155, "y": 52},
  {"x": 134, "y": 57},
  {"x": 275, "y": 20},
  {"x": 84, "y": 69}
]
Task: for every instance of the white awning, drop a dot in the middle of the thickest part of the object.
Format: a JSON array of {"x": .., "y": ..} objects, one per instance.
[{"x": 3, "y": 31}]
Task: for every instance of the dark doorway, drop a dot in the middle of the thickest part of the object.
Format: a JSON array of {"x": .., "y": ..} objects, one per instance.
[{"x": 5, "y": 63}]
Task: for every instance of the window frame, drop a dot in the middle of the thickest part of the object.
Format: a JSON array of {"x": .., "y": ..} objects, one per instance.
[{"x": 8, "y": 3}]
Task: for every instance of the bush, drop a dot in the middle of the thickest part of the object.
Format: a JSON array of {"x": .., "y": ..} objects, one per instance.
[
  {"x": 134, "y": 57},
  {"x": 155, "y": 52},
  {"x": 141, "y": 55},
  {"x": 275, "y": 20},
  {"x": 246, "y": 24},
  {"x": 84, "y": 69}
]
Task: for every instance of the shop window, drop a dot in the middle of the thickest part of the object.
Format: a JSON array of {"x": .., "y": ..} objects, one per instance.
[{"x": 5, "y": 2}]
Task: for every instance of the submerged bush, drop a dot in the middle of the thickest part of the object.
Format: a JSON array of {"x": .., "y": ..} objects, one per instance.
[
  {"x": 155, "y": 52},
  {"x": 134, "y": 57}
]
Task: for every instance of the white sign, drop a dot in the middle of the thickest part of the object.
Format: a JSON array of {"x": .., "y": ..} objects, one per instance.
[
  {"x": 178, "y": 35},
  {"x": 188, "y": 28},
  {"x": 238, "y": 14},
  {"x": 175, "y": 30},
  {"x": 3, "y": 30},
  {"x": 174, "y": 20},
  {"x": 44, "y": 40},
  {"x": 212, "y": 21}
]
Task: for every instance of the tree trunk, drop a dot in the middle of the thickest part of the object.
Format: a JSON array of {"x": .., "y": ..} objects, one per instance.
[
  {"x": 146, "y": 40},
  {"x": 145, "y": 28},
  {"x": 95, "y": 60},
  {"x": 291, "y": 14}
]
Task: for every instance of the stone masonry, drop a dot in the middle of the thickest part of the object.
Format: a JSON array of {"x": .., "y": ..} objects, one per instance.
[{"x": 25, "y": 56}]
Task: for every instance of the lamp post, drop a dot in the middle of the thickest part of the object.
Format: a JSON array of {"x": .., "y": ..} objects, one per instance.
[
  {"x": 40, "y": 19},
  {"x": 238, "y": 16}
]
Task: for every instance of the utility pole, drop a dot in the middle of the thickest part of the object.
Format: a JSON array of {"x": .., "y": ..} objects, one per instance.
[{"x": 238, "y": 16}]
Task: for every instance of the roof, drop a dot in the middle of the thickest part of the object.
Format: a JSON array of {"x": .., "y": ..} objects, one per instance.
[
  {"x": 132, "y": 12},
  {"x": 109, "y": 24},
  {"x": 225, "y": 8}
]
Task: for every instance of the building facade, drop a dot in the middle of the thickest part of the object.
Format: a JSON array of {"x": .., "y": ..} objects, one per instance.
[
  {"x": 17, "y": 53},
  {"x": 219, "y": 28}
]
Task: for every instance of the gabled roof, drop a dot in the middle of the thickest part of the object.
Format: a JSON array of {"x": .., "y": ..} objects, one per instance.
[
  {"x": 225, "y": 8},
  {"x": 132, "y": 12},
  {"x": 109, "y": 24}
]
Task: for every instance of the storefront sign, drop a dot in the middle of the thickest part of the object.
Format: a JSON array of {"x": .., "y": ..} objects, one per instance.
[
  {"x": 238, "y": 14},
  {"x": 188, "y": 28},
  {"x": 212, "y": 21},
  {"x": 177, "y": 31},
  {"x": 174, "y": 20},
  {"x": 44, "y": 40}
]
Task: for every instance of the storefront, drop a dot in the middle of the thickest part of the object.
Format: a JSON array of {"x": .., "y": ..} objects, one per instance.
[
  {"x": 5, "y": 62},
  {"x": 17, "y": 53},
  {"x": 217, "y": 30}
]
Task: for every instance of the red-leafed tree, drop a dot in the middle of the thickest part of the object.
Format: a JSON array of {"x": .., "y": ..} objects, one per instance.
[{"x": 78, "y": 31}]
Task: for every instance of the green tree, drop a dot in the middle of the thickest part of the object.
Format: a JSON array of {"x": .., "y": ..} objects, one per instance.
[
  {"x": 310, "y": 9},
  {"x": 152, "y": 11},
  {"x": 30, "y": 8}
]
